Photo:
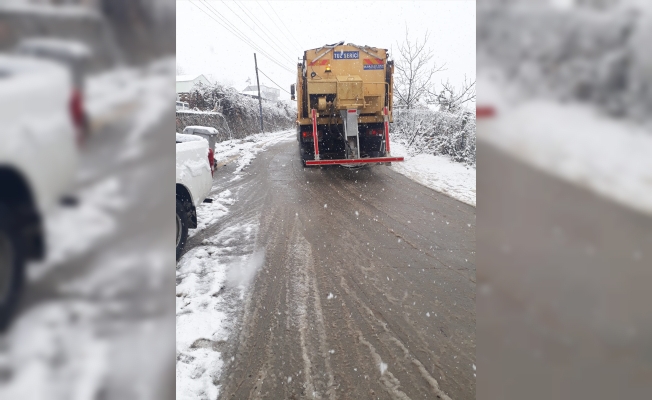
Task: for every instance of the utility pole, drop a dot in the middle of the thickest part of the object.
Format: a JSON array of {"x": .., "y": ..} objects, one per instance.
[{"x": 260, "y": 101}]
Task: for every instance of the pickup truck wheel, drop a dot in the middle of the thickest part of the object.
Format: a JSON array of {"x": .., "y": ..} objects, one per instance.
[
  {"x": 182, "y": 227},
  {"x": 12, "y": 268}
]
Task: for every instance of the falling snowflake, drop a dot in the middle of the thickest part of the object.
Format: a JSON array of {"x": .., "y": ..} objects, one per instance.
[{"x": 383, "y": 368}]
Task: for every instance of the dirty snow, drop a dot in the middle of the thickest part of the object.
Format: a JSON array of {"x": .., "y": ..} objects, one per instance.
[
  {"x": 72, "y": 231},
  {"x": 607, "y": 156},
  {"x": 439, "y": 173},
  {"x": 209, "y": 213},
  {"x": 200, "y": 323},
  {"x": 211, "y": 281},
  {"x": 213, "y": 277},
  {"x": 245, "y": 150}
]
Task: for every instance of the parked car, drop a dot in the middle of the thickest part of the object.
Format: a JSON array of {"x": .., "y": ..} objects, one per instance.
[
  {"x": 206, "y": 132},
  {"x": 38, "y": 159},
  {"x": 72, "y": 54},
  {"x": 194, "y": 174}
]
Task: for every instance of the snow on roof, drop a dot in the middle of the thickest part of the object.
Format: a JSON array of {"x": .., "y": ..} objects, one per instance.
[
  {"x": 184, "y": 138},
  {"x": 187, "y": 78},
  {"x": 200, "y": 129}
]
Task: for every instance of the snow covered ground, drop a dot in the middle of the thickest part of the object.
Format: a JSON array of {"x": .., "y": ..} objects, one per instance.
[
  {"x": 439, "y": 173},
  {"x": 245, "y": 150},
  {"x": 71, "y": 342},
  {"x": 212, "y": 277},
  {"x": 572, "y": 141}
]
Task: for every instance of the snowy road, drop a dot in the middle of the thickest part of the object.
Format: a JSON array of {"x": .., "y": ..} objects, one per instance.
[{"x": 326, "y": 283}]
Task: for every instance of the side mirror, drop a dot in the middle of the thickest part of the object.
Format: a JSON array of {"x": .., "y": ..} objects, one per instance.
[{"x": 292, "y": 92}]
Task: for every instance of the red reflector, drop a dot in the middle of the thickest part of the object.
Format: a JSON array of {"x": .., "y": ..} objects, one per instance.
[
  {"x": 211, "y": 160},
  {"x": 77, "y": 114},
  {"x": 305, "y": 134},
  {"x": 485, "y": 112},
  {"x": 353, "y": 111}
]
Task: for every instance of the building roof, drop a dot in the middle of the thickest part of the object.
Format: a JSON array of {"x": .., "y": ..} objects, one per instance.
[{"x": 187, "y": 78}]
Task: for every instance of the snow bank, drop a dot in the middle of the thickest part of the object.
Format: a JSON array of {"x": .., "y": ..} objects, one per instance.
[
  {"x": 439, "y": 173},
  {"x": 245, "y": 150},
  {"x": 575, "y": 142},
  {"x": 425, "y": 131},
  {"x": 200, "y": 325}
]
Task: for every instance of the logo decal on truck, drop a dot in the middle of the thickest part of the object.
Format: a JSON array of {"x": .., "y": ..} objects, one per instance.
[
  {"x": 346, "y": 55},
  {"x": 318, "y": 62},
  {"x": 373, "y": 63}
]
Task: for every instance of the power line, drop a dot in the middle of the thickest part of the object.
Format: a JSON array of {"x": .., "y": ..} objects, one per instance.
[
  {"x": 283, "y": 23},
  {"x": 272, "y": 34},
  {"x": 261, "y": 71},
  {"x": 236, "y": 32},
  {"x": 279, "y": 28},
  {"x": 246, "y": 38},
  {"x": 259, "y": 24}
]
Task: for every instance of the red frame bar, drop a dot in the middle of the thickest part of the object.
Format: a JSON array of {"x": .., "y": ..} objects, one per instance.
[
  {"x": 314, "y": 133},
  {"x": 355, "y": 161},
  {"x": 386, "y": 118}
]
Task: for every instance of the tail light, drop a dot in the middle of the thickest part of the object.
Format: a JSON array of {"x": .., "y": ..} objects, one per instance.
[
  {"x": 306, "y": 135},
  {"x": 211, "y": 161},
  {"x": 485, "y": 112},
  {"x": 375, "y": 132},
  {"x": 77, "y": 114}
]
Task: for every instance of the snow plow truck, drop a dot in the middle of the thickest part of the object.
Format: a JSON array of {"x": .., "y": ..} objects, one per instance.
[{"x": 344, "y": 105}]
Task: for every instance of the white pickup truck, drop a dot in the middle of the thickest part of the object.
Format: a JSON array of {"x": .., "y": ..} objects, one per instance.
[
  {"x": 38, "y": 160},
  {"x": 194, "y": 181}
]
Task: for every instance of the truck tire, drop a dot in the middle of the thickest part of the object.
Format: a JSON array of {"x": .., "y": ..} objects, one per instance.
[
  {"x": 182, "y": 227},
  {"x": 12, "y": 267}
]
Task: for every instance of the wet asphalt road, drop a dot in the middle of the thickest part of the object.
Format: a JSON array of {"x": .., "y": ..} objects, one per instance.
[
  {"x": 563, "y": 295},
  {"x": 367, "y": 289}
]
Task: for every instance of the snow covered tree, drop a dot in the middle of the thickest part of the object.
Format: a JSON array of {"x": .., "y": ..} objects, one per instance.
[
  {"x": 450, "y": 98},
  {"x": 414, "y": 72}
]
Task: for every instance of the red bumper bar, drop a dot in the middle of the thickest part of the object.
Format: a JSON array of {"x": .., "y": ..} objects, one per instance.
[{"x": 355, "y": 161}]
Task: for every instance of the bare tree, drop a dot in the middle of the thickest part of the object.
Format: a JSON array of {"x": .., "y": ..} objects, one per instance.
[
  {"x": 415, "y": 71},
  {"x": 452, "y": 99}
]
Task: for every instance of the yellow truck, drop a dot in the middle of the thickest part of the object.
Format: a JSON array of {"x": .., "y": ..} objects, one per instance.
[{"x": 344, "y": 105}]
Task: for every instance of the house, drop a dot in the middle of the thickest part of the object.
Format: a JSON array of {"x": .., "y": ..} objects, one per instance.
[
  {"x": 185, "y": 83},
  {"x": 266, "y": 92}
]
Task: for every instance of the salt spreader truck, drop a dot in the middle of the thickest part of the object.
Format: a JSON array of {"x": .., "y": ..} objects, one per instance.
[{"x": 344, "y": 105}]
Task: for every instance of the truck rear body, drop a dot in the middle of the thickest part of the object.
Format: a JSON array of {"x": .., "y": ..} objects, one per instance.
[{"x": 344, "y": 105}]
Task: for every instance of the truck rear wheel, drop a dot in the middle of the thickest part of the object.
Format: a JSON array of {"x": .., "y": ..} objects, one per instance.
[
  {"x": 182, "y": 227},
  {"x": 12, "y": 268}
]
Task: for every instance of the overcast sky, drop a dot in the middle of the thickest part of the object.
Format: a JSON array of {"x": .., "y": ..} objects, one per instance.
[{"x": 284, "y": 29}]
